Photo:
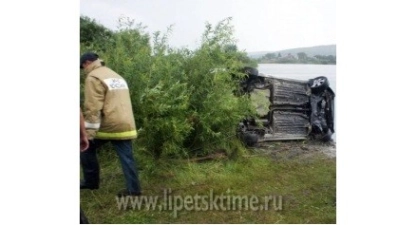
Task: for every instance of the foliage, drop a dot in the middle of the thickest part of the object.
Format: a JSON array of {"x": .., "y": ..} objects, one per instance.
[
  {"x": 215, "y": 110},
  {"x": 182, "y": 99},
  {"x": 270, "y": 55},
  {"x": 330, "y": 59},
  {"x": 302, "y": 58},
  {"x": 93, "y": 33}
]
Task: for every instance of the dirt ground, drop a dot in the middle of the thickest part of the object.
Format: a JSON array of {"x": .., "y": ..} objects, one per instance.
[{"x": 293, "y": 149}]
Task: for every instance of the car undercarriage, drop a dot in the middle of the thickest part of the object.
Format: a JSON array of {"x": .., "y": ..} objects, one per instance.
[{"x": 287, "y": 109}]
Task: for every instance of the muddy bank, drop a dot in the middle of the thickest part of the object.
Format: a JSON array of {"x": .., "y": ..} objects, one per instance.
[{"x": 294, "y": 149}]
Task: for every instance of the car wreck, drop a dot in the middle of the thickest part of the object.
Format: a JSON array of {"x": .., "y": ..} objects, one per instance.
[{"x": 287, "y": 109}]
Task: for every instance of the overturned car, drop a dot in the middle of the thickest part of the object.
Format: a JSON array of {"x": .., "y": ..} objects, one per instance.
[{"x": 287, "y": 109}]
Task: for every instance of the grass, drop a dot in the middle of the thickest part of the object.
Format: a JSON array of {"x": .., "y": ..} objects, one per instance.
[
  {"x": 260, "y": 100},
  {"x": 307, "y": 187}
]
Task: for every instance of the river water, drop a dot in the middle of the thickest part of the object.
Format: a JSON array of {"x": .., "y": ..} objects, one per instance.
[
  {"x": 303, "y": 72},
  {"x": 300, "y": 71}
]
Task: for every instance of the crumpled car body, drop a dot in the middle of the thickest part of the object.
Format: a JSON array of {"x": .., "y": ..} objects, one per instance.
[{"x": 287, "y": 109}]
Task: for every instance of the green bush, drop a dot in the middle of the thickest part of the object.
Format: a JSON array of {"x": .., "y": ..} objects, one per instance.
[{"x": 182, "y": 99}]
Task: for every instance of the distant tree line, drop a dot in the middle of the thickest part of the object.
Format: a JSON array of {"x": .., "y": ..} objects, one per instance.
[{"x": 301, "y": 58}]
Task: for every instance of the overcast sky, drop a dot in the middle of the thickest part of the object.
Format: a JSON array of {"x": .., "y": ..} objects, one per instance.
[{"x": 260, "y": 25}]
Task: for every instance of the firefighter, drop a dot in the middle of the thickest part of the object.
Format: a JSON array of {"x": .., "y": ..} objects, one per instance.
[{"x": 109, "y": 117}]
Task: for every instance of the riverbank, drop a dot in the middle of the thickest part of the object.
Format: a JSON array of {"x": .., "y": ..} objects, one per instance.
[{"x": 301, "y": 174}]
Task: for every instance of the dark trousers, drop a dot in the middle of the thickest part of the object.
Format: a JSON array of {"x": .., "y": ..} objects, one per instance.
[{"x": 90, "y": 165}]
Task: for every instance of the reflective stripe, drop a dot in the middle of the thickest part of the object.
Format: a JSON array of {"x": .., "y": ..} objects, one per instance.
[
  {"x": 115, "y": 83},
  {"x": 92, "y": 125},
  {"x": 132, "y": 134}
]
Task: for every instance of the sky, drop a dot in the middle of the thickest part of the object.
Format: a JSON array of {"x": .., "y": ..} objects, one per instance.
[{"x": 259, "y": 25}]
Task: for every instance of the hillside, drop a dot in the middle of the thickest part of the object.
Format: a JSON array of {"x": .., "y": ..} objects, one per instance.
[{"x": 310, "y": 51}]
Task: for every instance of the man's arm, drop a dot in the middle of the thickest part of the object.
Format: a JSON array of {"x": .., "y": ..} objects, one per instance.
[
  {"x": 84, "y": 144},
  {"x": 94, "y": 92}
]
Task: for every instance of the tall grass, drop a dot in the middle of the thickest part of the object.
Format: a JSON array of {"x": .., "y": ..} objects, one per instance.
[{"x": 307, "y": 187}]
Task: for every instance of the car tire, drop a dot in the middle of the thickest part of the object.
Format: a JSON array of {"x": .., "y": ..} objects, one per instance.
[
  {"x": 251, "y": 71},
  {"x": 318, "y": 84},
  {"x": 327, "y": 137},
  {"x": 250, "y": 139},
  {"x": 259, "y": 83}
]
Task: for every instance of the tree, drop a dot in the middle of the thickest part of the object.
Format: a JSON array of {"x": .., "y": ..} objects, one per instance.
[
  {"x": 94, "y": 34},
  {"x": 270, "y": 56},
  {"x": 183, "y": 100},
  {"x": 331, "y": 59},
  {"x": 231, "y": 48},
  {"x": 302, "y": 56},
  {"x": 322, "y": 59}
]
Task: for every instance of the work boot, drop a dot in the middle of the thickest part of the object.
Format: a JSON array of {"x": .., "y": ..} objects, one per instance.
[{"x": 84, "y": 185}]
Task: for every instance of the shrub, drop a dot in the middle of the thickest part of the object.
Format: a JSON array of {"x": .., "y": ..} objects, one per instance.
[{"x": 182, "y": 99}]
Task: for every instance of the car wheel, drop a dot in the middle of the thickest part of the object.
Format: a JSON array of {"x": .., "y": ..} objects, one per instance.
[
  {"x": 251, "y": 71},
  {"x": 327, "y": 137},
  {"x": 250, "y": 139},
  {"x": 259, "y": 83},
  {"x": 318, "y": 84}
]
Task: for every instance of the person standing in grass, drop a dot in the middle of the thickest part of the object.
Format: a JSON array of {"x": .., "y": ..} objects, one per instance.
[{"x": 108, "y": 117}]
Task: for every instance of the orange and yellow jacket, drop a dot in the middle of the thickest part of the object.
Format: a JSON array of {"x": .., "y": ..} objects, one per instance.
[{"x": 108, "y": 112}]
